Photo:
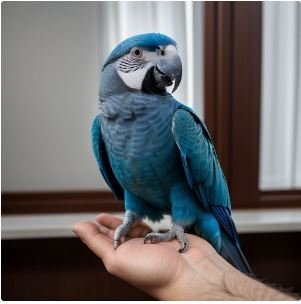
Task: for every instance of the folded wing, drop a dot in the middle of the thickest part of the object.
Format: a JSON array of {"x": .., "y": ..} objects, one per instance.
[{"x": 102, "y": 158}]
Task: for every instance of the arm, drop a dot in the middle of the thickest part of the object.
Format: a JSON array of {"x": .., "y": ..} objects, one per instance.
[{"x": 159, "y": 270}]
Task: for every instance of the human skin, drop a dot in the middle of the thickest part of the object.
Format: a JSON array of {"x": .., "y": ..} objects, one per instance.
[{"x": 164, "y": 273}]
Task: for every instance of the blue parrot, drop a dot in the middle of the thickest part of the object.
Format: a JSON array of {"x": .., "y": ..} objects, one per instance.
[{"x": 156, "y": 154}]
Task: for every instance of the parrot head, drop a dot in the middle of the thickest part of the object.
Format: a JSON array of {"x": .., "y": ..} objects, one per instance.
[{"x": 147, "y": 62}]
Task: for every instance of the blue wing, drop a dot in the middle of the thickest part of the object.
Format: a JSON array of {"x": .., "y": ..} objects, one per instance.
[
  {"x": 206, "y": 177},
  {"x": 101, "y": 156},
  {"x": 201, "y": 166}
]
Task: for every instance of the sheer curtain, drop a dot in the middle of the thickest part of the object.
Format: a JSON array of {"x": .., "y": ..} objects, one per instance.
[
  {"x": 280, "y": 154},
  {"x": 181, "y": 20}
]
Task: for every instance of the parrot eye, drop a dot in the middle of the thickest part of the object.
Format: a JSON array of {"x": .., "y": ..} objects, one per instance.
[{"x": 137, "y": 52}]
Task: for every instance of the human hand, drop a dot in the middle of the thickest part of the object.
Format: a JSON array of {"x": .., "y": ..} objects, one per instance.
[
  {"x": 158, "y": 269},
  {"x": 164, "y": 273}
]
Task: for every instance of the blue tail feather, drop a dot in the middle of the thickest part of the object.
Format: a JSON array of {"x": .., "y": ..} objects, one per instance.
[{"x": 233, "y": 254}]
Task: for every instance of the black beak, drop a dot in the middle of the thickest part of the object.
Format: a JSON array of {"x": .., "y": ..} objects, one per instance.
[{"x": 169, "y": 71}]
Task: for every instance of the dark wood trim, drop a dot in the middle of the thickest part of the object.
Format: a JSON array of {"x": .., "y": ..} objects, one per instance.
[
  {"x": 59, "y": 269},
  {"x": 60, "y": 202},
  {"x": 232, "y": 100},
  {"x": 210, "y": 64},
  {"x": 218, "y": 71},
  {"x": 246, "y": 102},
  {"x": 280, "y": 198},
  {"x": 103, "y": 201},
  {"x": 224, "y": 94},
  {"x": 65, "y": 269}
]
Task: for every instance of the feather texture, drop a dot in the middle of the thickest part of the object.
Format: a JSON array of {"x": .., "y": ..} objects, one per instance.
[
  {"x": 207, "y": 180},
  {"x": 158, "y": 155},
  {"x": 103, "y": 160},
  {"x": 150, "y": 41}
]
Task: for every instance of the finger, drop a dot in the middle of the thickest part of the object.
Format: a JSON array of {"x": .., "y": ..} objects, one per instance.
[
  {"x": 106, "y": 231},
  {"x": 139, "y": 228},
  {"x": 108, "y": 220},
  {"x": 136, "y": 232},
  {"x": 100, "y": 244},
  {"x": 139, "y": 231},
  {"x": 112, "y": 222},
  {"x": 110, "y": 233}
]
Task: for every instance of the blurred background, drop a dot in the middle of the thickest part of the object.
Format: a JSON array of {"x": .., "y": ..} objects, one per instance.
[{"x": 241, "y": 74}]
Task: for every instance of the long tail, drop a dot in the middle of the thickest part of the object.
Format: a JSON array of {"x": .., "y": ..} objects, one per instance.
[{"x": 233, "y": 254}]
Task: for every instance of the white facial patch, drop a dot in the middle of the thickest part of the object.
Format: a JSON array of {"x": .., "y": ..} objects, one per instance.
[
  {"x": 134, "y": 79},
  {"x": 132, "y": 70}
]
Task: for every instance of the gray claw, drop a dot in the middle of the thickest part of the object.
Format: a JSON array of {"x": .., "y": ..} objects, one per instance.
[
  {"x": 184, "y": 246},
  {"x": 124, "y": 228},
  {"x": 116, "y": 244},
  {"x": 176, "y": 231},
  {"x": 154, "y": 237}
]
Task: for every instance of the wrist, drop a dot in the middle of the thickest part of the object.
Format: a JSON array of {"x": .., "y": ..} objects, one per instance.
[
  {"x": 247, "y": 288},
  {"x": 214, "y": 272},
  {"x": 231, "y": 284},
  {"x": 199, "y": 281},
  {"x": 213, "y": 278}
]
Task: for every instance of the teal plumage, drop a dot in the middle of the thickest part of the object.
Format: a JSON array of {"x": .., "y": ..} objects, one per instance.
[
  {"x": 139, "y": 142},
  {"x": 157, "y": 155},
  {"x": 150, "y": 41}
]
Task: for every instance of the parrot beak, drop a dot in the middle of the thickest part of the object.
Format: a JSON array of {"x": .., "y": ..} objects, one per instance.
[{"x": 171, "y": 67}]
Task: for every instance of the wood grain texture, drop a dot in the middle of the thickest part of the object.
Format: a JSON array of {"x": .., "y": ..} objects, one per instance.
[
  {"x": 59, "y": 202},
  {"x": 58, "y": 269},
  {"x": 246, "y": 102},
  {"x": 65, "y": 269},
  {"x": 210, "y": 67},
  {"x": 232, "y": 100}
]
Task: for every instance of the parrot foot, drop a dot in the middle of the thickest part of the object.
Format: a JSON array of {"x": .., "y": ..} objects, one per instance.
[
  {"x": 124, "y": 228},
  {"x": 176, "y": 231}
]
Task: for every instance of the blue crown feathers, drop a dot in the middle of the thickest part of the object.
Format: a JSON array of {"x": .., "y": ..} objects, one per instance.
[{"x": 150, "y": 41}]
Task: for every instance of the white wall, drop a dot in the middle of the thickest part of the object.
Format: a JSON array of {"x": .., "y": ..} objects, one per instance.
[
  {"x": 52, "y": 54},
  {"x": 50, "y": 69}
]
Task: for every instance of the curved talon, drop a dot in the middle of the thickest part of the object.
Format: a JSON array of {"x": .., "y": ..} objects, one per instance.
[
  {"x": 124, "y": 228},
  {"x": 146, "y": 238},
  {"x": 176, "y": 231},
  {"x": 153, "y": 237},
  {"x": 181, "y": 237},
  {"x": 184, "y": 247},
  {"x": 116, "y": 244}
]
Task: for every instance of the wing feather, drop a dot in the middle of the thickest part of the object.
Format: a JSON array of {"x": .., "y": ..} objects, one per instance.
[
  {"x": 102, "y": 158},
  {"x": 206, "y": 178},
  {"x": 203, "y": 171}
]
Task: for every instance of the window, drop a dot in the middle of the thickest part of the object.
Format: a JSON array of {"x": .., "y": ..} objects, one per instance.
[
  {"x": 233, "y": 51},
  {"x": 280, "y": 140}
]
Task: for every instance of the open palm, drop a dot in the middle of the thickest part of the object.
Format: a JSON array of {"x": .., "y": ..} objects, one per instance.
[
  {"x": 151, "y": 267},
  {"x": 164, "y": 273}
]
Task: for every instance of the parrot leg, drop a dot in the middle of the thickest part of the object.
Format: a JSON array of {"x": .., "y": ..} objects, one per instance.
[
  {"x": 176, "y": 231},
  {"x": 124, "y": 228}
]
